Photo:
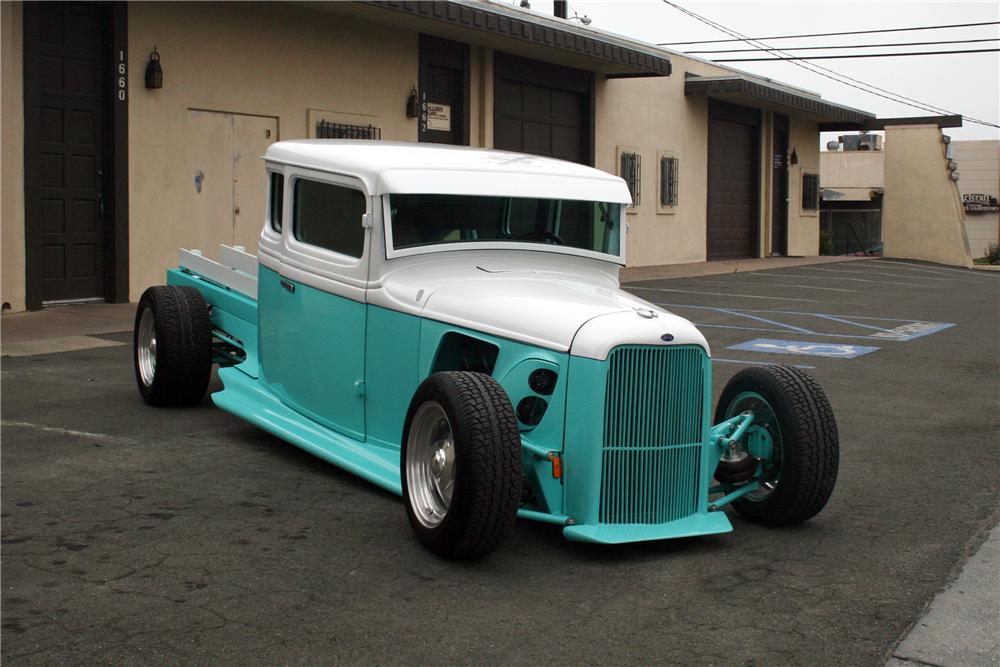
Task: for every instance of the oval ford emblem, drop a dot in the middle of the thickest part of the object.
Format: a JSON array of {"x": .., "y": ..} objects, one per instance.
[{"x": 666, "y": 338}]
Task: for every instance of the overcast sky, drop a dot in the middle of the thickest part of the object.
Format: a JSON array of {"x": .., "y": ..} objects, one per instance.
[{"x": 968, "y": 84}]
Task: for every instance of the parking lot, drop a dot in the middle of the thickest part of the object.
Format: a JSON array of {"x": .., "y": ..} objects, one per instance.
[{"x": 134, "y": 535}]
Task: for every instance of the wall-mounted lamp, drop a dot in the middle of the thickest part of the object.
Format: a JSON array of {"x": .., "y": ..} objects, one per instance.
[
  {"x": 411, "y": 104},
  {"x": 154, "y": 73},
  {"x": 794, "y": 159}
]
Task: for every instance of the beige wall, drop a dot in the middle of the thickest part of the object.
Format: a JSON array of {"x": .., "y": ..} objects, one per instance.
[
  {"x": 922, "y": 210},
  {"x": 11, "y": 156},
  {"x": 655, "y": 116},
  {"x": 852, "y": 169},
  {"x": 230, "y": 73},
  {"x": 979, "y": 171},
  {"x": 803, "y": 225}
]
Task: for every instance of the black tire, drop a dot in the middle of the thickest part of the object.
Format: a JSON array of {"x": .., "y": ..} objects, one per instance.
[
  {"x": 182, "y": 361},
  {"x": 487, "y": 478},
  {"x": 809, "y": 454}
]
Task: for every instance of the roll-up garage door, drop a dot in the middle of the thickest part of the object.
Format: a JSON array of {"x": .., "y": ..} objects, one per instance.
[
  {"x": 542, "y": 109},
  {"x": 733, "y": 181}
]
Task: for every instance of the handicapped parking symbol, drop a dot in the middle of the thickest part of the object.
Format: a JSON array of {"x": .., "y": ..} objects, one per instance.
[{"x": 832, "y": 350}]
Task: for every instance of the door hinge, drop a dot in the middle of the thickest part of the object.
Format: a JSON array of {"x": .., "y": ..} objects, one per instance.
[
  {"x": 366, "y": 221},
  {"x": 359, "y": 388}
]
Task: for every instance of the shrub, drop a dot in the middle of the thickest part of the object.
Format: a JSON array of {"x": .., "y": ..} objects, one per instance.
[
  {"x": 993, "y": 253},
  {"x": 826, "y": 243}
]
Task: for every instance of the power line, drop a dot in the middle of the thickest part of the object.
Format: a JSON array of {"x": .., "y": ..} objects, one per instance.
[
  {"x": 832, "y": 34},
  {"x": 825, "y": 72},
  {"x": 855, "y": 55},
  {"x": 855, "y": 46}
]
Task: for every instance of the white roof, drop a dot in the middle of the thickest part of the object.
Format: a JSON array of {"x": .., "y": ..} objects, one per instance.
[{"x": 412, "y": 168}]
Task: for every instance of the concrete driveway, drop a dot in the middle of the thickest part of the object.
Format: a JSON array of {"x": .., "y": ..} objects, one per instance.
[{"x": 133, "y": 535}]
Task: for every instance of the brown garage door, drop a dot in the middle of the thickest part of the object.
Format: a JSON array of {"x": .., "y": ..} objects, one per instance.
[
  {"x": 733, "y": 181},
  {"x": 542, "y": 109}
]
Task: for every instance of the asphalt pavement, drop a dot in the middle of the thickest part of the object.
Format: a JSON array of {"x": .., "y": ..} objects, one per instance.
[{"x": 134, "y": 535}]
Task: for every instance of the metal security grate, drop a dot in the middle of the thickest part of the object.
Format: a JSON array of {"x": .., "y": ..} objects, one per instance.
[
  {"x": 653, "y": 432},
  {"x": 325, "y": 130},
  {"x": 631, "y": 172}
]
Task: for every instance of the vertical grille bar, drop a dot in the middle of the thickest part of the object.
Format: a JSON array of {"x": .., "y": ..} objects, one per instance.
[{"x": 652, "y": 434}]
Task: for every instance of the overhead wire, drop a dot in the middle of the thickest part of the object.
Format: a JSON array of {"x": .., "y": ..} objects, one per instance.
[
  {"x": 833, "y": 34},
  {"x": 854, "y": 55},
  {"x": 826, "y": 72},
  {"x": 855, "y": 46}
]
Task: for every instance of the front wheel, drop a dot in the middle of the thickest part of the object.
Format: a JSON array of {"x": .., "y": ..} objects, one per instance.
[
  {"x": 794, "y": 436},
  {"x": 461, "y": 464}
]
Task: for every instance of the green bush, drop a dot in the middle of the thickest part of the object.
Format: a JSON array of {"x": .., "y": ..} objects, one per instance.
[
  {"x": 993, "y": 253},
  {"x": 826, "y": 243}
]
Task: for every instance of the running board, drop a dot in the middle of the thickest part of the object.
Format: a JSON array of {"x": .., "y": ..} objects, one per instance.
[{"x": 244, "y": 397}]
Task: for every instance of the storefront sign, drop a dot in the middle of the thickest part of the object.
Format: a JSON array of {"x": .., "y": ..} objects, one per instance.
[
  {"x": 438, "y": 116},
  {"x": 980, "y": 204}
]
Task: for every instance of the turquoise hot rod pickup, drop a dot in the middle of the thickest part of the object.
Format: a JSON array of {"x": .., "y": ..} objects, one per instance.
[{"x": 447, "y": 324}]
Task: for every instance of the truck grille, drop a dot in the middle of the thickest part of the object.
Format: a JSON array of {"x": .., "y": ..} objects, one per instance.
[{"x": 653, "y": 432}]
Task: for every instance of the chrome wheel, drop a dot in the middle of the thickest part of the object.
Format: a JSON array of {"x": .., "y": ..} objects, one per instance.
[
  {"x": 145, "y": 347},
  {"x": 430, "y": 464}
]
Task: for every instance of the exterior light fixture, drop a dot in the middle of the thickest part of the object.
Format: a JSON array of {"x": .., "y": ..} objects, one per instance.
[
  {"x": 585, "y": 20},
  {"x": 411, "y": 104},
  {"x": 794, "y": 159},
  {"x": 154, "y": 73}
]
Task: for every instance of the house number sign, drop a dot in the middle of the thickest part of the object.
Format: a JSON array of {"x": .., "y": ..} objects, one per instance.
[{"x": 122, "y": 77}]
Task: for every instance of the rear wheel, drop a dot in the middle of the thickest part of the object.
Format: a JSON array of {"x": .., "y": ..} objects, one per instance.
[
  {"x": 461, "y": 464},
  {"x": 794, "y": 436},
  {"x": 172, "y": 346}
]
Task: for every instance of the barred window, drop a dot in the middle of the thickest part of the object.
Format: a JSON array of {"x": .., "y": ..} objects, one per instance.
[
  {"x": 325, "y": 130},
  {"x": 669, "y": 168},
  {"x": 630, "y": 170},
  {"x": 810, "y": 192}
]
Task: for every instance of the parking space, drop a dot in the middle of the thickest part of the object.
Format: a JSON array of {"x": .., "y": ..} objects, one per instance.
[{"x": 134, "y": 535}]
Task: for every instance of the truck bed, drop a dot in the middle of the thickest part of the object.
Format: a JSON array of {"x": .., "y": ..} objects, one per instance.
[{"x": 229, "y": 286}]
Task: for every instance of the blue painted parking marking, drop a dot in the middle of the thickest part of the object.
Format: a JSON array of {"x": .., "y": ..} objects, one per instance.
[{"x": 831, "y": 350}]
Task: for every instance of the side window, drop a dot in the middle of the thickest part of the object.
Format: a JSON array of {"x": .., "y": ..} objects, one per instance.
[
  {"x": 277, "y": 202},
  {"x": 329, "y": 216}
]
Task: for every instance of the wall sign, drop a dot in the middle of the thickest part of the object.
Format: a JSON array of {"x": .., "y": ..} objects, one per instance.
[
  {"x": 980, "y": 204},
  {"x": 121, "y": 83},
  {"x": 438, "y": 116}
]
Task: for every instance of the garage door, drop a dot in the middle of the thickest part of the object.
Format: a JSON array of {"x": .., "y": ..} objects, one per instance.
[
  {"x": 733, "y": 181},
  {"x": 542, "y": 109}
]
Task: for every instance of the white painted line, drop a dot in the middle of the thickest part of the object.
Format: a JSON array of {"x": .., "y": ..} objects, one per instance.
[
  {"x": 857, "y": 280},
  {"x": 784, "y": 284},
  {"x": 740, "y": 296},
  {"x": 876, "y": 273},
  {"x": 104, "y": 437},
  {"x": 28, "y": 348},
  {"x": 757, "y": 363},
  {"x": 930, "y": 269}
]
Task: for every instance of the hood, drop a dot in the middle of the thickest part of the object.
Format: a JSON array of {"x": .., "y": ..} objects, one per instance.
[{"x": 544, "y": 307}]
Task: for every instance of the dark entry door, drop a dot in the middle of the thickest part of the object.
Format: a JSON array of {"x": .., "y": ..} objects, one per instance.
[
  {"x": 65, "y": 113},
  {"x": 733, "y": 182},
  {"x": 444, "y": 91},
  {"x": 779, "y": 188},
  {"x": 542, "y": 109}
]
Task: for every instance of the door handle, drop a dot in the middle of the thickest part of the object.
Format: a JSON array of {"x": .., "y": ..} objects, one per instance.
[
  {"x": 288, "y": 285},
  {"x": 100, "y": 205}
]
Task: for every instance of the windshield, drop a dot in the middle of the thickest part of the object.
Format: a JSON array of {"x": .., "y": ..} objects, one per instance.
[{"x": 422, "y": 220}]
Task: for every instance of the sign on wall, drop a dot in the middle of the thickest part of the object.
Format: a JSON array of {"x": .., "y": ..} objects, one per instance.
[
  {"x": 438, "y": 116},
  {"x": 980, "y": 204}
]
